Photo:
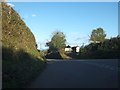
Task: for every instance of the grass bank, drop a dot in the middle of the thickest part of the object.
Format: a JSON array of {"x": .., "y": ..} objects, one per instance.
[{"x": 19, "y": 68}]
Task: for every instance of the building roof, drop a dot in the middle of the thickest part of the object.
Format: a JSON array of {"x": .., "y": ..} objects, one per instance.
[{"x": 68, "y": 46}]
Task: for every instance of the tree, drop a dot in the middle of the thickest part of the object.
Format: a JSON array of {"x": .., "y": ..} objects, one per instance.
[
  {"x": 98, "y": 35},
  {"x": 57, "y": 41}
]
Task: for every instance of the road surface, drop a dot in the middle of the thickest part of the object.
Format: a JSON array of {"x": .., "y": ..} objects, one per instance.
[{"x": 78, "y": 74}]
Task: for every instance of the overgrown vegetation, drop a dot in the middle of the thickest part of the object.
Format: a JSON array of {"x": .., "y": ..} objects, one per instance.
[
  {"x": 20, "y": 57},
  {"x": 109, "y": 49}
]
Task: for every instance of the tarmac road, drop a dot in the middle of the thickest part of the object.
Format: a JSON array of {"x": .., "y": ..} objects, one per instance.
[{"x": 78, "y": 74}]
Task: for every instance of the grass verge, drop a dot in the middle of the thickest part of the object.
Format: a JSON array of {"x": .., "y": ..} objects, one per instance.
[{"x": 19, "y": 68}]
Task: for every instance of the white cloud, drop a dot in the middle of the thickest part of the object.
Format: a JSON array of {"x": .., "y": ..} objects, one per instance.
[
  {"x": 33, "y": 15},
  {"x": 10, "y": 4}
]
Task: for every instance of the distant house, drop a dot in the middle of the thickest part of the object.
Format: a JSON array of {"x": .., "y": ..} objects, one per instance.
[
  {"x": 76, "y": 49},
  {"x": 72, "y": 49},
  {"x": 68, "y": 49}
]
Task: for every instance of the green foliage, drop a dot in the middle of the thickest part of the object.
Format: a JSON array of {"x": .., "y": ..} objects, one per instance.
[
  {"x": 98, "y": 35},
  {"x": 57, "y": 41},
  {"x": 56, "y": 46},
  {"x": 109, "y": 49}
]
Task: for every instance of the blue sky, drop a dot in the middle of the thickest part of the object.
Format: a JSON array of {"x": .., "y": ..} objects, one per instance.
[{"x": 76, "y": 20}]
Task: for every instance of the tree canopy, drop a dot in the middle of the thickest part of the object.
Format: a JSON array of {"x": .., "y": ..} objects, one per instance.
[
  {"x": 57, "y": 42},
  {"x": 98, "y": 35}
]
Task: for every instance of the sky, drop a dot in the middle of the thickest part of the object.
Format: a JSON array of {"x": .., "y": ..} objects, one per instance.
[
  {"x": 75, "y": 19},
  {"x": 63, "y": 0}
]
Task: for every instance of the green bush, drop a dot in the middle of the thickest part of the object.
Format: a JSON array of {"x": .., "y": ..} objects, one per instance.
[{"x": 109, "y": 49}]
